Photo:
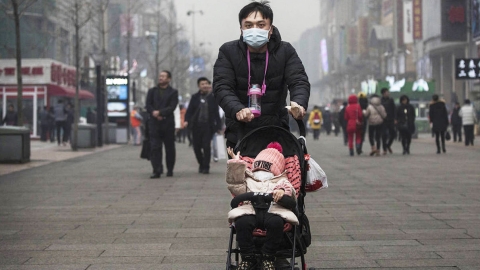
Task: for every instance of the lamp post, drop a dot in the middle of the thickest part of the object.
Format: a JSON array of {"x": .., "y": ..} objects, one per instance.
[
  {"x": 99, "y": 63},
  {"x": 192, "y": 13}
]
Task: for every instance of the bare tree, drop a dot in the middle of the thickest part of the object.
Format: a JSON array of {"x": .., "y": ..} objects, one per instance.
[
  {"x": 15, "y": 9},
  {"x": 81, "y": 13}
]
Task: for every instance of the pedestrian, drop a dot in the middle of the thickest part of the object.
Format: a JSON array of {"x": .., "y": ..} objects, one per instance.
[
  {"x": 315, "y": 120},
  {"x": 354, "y": 119},
  {"x": 182, "y": 132},
  {"x": 405, "y": 120},
  {"x": 267, "y": 175},
  {"x": 438, "y": 121},
  {"x": 327, "y": 120},
  {"x": 259, "y": 57},
  {"x": 61, "y": 122},
  {"x": 389, "y": 132},
  {"x": 375, "y": 115},
  {"x": 469, "y": 118},
  {"x": 11, "y": 118},
  {"x": 44, "y": 119},
  {"x": 51, "y": 124},
  {"x": 161, "y": 102},
  {"x": 456, "y": 122},
  {"x": 363, "y": 102},
  {"x": 336, "y": 123},
  {"x": 343, "y": 123},
  {"x": 91, "y": 116},
  {"x": 136, "y": 121},
  {"x": 69, "y": 122},
  {"x": 203, "y": 117}
]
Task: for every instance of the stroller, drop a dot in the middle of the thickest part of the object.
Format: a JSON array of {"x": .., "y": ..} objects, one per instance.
[{"x": 296, "y": 237}]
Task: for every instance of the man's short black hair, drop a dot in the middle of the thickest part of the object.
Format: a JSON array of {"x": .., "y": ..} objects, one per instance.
[
  {"x": 435, "y": 97},
  {"x": 169, "y": 74},
  {"x": 467, "y": 101},
  {"x": 262, "y": 7},
  {"x": 201, "y": 79},
  {"x": 383, "y": 90}
]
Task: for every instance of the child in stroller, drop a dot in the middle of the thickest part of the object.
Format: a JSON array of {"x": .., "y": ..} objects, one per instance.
[{"x": 267, "y": 176}]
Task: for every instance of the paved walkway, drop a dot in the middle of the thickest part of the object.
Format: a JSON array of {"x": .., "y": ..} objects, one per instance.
[{"x": 100, "y": 211}]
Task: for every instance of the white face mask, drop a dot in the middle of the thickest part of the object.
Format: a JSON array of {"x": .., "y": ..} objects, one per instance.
[
  {"x": 255, "y": 37},
  {"x": 263, "y": 175}
]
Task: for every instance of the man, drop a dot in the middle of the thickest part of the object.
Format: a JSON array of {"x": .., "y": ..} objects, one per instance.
[
  {"x": 11, "y": 117},
  {"x": 343, "y": 123},
  {"x": 389, "y": 122},
  {"x": 61, "y": 122},
  {"x": 274, "y": 65},
  {"x": 456, "y": 122},
  {"x": 203, "y": 117},
  {"x": 363, "y": 101},
  {"x": 327, "y": 120},
  {"x": 161, "y": 102},
  {"x": 467, "y": 113},
  {"x": 44, "y": 118}
]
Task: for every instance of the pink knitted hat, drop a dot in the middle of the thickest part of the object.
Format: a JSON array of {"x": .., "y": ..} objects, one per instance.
[{"x": 270, "y": 159}]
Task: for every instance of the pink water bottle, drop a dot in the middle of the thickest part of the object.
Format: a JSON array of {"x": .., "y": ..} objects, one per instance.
[{"x": 255, "y": 100}]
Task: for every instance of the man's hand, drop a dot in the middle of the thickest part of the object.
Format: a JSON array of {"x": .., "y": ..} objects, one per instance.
[
  {"x": 245, "y": 115},
  {"x": 156, "y": 114},
  {"x": 185, "y": 124},
  {"x": 278, "y": 194},
  {"x": 297, "y": 111}
]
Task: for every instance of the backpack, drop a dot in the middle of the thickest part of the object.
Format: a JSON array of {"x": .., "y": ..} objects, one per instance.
[{"x": 316, "y": 118}]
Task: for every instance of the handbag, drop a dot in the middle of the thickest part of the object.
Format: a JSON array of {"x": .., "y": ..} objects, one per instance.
[{"x": 447, "y": 135}]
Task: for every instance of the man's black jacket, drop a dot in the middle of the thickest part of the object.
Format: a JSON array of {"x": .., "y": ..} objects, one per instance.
[
  {"x": 389, "y": 106},
  {"x": 165, "y": 103},
  {"x": 285, "y": 72},
  {"x": 213, "y": 115}
]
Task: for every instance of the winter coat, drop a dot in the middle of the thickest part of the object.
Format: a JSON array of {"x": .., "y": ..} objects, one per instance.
[
  {"x": 60, "y": 112},
  {"x": 240, "y": 180},
  {"x": 375, "y": 112},
  {"x": 191, "y": 116},
  {"x": 389, "y": 106},
  {"x": 406, "y": 114},
  {"x": 456, "y": 119},
  {"x": 311, "y": 119},
  {"x": 363, "y": 101},
  {"x": 166, "y": 103},
  {"x": 438, "y": 116},
  {"x": 10, "y": 119},
  {"x": 353, "y": 113},
  {"x": 285, "y": 73},
  {"x": 467, "y": 112}
]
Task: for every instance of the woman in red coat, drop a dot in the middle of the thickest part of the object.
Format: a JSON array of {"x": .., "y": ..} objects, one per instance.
[{"x": 353, "y": 114}]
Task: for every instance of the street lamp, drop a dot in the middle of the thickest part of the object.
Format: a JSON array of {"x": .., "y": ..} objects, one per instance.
[{"x": 192, "y": 13}]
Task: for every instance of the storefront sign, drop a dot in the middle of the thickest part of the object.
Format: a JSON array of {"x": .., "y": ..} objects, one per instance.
[
  {"x": 454, "y": 23},
  {"x": 38, "y": 71},
  {"x": 467, "y": 68},
  {"x": 417, "y": 19},
  {"x": 408, "y": 22}
]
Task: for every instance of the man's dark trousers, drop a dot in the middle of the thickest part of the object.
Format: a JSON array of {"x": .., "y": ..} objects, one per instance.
[
  {"x": 202, "y": 137},
  {"x": 389, "y": 134},
  {"x": 469, "y": 136},
  {"x": 161, "y": 135}
]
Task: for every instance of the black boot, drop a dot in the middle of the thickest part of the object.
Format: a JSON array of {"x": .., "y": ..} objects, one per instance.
[
  {"x": 351, "y": 152},
  {"x": 249, "y": 262},
  {"x": 359, "y": 149}
]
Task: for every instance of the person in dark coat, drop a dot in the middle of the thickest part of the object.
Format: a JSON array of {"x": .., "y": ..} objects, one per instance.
[
  {"x": 69, "y": 122},
  {"x": 91, "y": 116},
  {"x": 456, "y": 122},
  {"x": 439, "y": 121},
  {"x": 353, "y": 115},
  {"x": 51, "y": 124},
  {"x": 160, "y": 103},
  {"x": 273, "y": 63},
  {"x": 343, "y": 123},
  {"x": 327, "y": 120},
  {"x": 203, "y": 117},
  {"x": 44, "y": 118},
  {"x": 389, "y": 132},
  {"x": 405, "y": 118},
  {"x": 11, "y": 117}
]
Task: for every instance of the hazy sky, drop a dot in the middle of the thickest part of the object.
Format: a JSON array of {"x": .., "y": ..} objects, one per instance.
[{"x": 219, "y": 22}]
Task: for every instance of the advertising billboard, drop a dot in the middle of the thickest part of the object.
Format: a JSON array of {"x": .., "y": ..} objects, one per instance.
[{"x": 118, "y": 94}]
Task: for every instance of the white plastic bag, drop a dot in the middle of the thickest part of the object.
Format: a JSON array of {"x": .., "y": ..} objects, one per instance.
[{"x": 316, "y": 177}]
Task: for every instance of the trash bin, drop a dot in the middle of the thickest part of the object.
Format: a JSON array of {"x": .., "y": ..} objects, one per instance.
[
  {"x": 87, "y": 136},
  {"x": 14, "y": 144},
  {"x": 112, "y": 133}
]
